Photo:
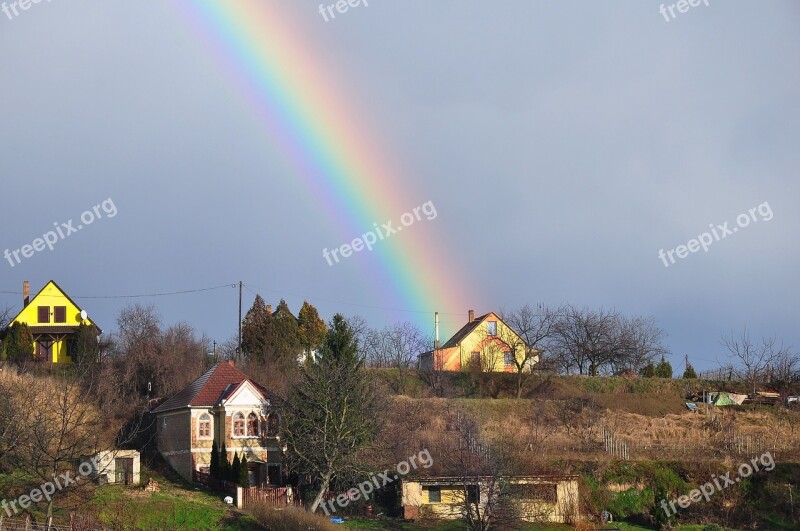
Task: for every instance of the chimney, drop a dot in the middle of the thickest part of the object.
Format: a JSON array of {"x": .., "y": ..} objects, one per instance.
[
  {"x": 232, "y": 363},
  {"x": 471, "y": 316},
  {"x": 436, "y": 331},
  {"x": 26, "y": 293},
  {"x": 269, "y": 309}
]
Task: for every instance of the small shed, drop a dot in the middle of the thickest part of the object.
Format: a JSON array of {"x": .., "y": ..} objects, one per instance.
[{"x": 115, "y": 466}]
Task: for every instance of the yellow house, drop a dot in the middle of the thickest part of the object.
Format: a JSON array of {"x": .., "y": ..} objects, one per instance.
[
  {"x": 486, "y": 343},
  {"x": 535, "y": 498},
  {"x": 52, "y": 317}
]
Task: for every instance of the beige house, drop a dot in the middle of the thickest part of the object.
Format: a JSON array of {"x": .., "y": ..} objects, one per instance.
[
  {"x": 536, "y": 498},
  {"x": 222, "y": 405},
  {"x": 115, "y": 466}
]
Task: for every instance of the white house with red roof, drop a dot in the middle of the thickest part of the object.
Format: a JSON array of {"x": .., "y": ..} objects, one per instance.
[{"x": 224, "y": 404}]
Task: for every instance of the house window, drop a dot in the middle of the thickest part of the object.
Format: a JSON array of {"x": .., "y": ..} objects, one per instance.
[
  {"x": 476, "y": 358},
  {"x": 60, "y": 314},
  {"x": 204, "y": 426},
  {"x": 44, "y": 314},
  {"x": 238, "y": 425},
  {"x": 252, "y": 425},
  {"x": 508, "y": 358},
  {"x": 491, "y": 328},
  {"x": 270, "y": 427},
  {"x": 434, "y": 495},
  {"x": 473, "y": 494}
]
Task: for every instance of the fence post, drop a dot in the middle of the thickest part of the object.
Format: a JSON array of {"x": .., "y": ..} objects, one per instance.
[{"x": 239, "y": 497}]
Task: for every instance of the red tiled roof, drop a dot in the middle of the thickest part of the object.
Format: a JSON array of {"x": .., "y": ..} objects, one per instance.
[{"x": 209, "y": 389}]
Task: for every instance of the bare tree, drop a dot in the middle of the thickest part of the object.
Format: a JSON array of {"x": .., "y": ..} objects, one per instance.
[
  {"x": 602, "y": 341},
  {"x": 58, "y": 423},
  {"x": 752, "y": 358},
  {"x": 784, "y": 373},
  {"x": 533, "y": 329},
  {"x": 6, "y": 315},
  {"x": 485, "y": 491}
]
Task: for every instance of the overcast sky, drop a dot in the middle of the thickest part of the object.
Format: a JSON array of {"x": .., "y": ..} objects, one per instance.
[{"x": 563, "y": 143}]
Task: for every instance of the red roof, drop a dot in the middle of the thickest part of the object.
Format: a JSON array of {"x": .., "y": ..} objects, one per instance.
[{"x": 207, "y": 391}]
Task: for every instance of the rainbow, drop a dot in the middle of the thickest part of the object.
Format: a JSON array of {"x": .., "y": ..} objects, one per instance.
[{"x": 263, "y": 49}]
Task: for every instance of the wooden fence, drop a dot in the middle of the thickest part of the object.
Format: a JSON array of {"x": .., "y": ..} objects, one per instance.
[
  {"x": 216, "y": 484},
  {"x": 20, "y": 524},
  {"x": 275, "y": 496}
]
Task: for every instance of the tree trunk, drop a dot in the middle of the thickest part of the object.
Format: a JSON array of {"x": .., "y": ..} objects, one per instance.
[{"x": 326, "y": 481}]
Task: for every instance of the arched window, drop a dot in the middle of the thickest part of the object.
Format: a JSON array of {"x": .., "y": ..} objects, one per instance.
[
  {"x": 270, "y": 427},
  {"x": 238, "y": 425},
  {"x": 252, "y": 425},
  {"x": 204, "y": 426}
]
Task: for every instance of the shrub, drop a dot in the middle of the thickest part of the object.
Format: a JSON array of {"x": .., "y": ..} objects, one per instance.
[{"x": 289, "y": 519}]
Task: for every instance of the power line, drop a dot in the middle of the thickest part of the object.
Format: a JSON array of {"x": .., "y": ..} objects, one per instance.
[
  {"x": 163, "y": 294},
  {"x": 345, "y": 303}
]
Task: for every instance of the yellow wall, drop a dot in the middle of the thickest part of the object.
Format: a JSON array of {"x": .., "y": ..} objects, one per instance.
[
  {"x": 491, "y": 351},
  {"x": 564, "y": 510},
  {"x": 52, "y": 296}
]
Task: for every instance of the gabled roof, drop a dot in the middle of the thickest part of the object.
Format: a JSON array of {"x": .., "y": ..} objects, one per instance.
[
  {"x": 36, "y": 327},
  {"x": 218, "y": 382},
  {"x": 466, "y": 330}
]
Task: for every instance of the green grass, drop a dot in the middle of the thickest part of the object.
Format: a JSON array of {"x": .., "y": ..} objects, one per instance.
[{"x": 174, "y": 507}]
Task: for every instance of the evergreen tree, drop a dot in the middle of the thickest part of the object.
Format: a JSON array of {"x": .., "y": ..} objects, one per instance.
[
  {"x": 224, "y": 464},
  {"x": 84, "y": 348},
  {"x": 214, "y": 460},
  {"x": 664, "y": 369},
  {"x": 255, "y": 329},
  {"x": 283, "y": 335},
  {"x": 235, "y": 466},
  {"x": 689, "y": 372},
  {"x": 332, "y": 413},
  {"x": 648, "y": 371},
  {"x": 244, "y": 476},
  {"x": 312, "y": 329},
  {"x": 19, "y": 343}
]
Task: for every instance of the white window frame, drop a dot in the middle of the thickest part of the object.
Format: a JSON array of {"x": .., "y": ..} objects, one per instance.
[{"x": 200, "y": 422}]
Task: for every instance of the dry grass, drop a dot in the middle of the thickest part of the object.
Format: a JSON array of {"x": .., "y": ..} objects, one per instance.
[
  {"x": 545, "y": 430},
  {"x": 289, "y": 519}
]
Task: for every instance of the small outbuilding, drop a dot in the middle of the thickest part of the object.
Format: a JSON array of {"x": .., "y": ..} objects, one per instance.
[
  {"x": 115, "y": 466},
  {"x": 537, "y": 498}
]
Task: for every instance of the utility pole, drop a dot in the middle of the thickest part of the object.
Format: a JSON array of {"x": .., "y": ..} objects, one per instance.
[{"x": 239, "y": 346}]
